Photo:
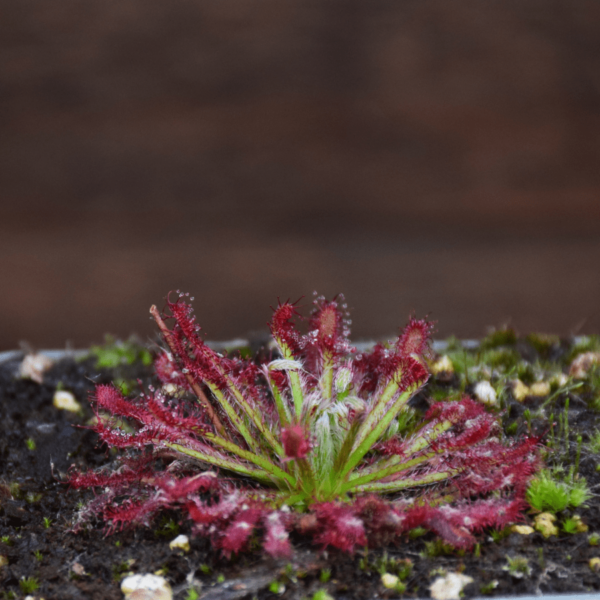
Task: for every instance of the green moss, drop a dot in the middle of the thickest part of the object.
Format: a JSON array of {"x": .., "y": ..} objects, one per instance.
[
  {"x": 119, "y": 570},
  {"x": 543, "y": 343},
  {"x": 525, "y": 372},
  {"x": 29, "y": 585},
  {"x": 417, "y": 532},
  {"x": 501, "y": 358},
  {"x": 322, "y": 595},
  {"x": 325, "y": 575},
  {"x": 125, "y": 385},
  {"x": 167, "y": 528},
  {"x": 276, "y": 587},
  {"x": 488, "y": 588},
  {"x": 594, "y": 443},
  {"x": 518, "y": 566},
  {"x": 15, "y": 490},
  {"x": 33, "y": 498},
  {"x": 499, "y": 337},
  {"x": 547, "y": 492},
  {"x": 498, "y": 535},
  {"x": 463, "y": 361},
  {"x": 436, "y": 548},
  {"x": 115, "y": 353}
]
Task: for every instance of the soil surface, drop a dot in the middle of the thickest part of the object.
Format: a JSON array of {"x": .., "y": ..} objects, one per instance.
[{"x": 38, "y": 443}]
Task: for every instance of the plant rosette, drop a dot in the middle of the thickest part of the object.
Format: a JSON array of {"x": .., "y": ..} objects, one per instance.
[{"x": 316, "y": 440}]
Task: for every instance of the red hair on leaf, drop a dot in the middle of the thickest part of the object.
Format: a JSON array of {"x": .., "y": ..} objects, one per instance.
[
  {"x": 283, "y": 329},
  {"x": 415, "y": 338}
]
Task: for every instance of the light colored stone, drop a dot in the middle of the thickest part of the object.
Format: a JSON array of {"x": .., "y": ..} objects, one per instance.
[
  {"x": 544, "y": 523},
  {"x": 389, "y": 581},
  {"x": 484, "y": 392},
  {"x": 33, "y": 367},
  {"x": 582, "y": 363},
  {"x": 78, "y": 569},
  {"x": 581, "y": 527},
  {"x": 450, "y": 586},
  {"x": 3, "y": 560},
  {"x": 540, "y": 389},
  {"x": 520, "y": 390},
  {"x": 442, "y": 365},
  {"x": 522, "y": 529},
  {"x": 560, "y": 379},
  {"x": 181, "y": 542},
  {"x": 146, "y": 587},
  {"x": 64, "y": 400},
  {"x": 595, "y": 564}
]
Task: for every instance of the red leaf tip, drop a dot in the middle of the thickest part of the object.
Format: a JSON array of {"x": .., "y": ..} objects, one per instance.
[{"x": 295, "y": 442}]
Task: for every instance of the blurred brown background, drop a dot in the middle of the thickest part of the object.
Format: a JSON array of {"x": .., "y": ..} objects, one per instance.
[{"x": 436, "y": 156}]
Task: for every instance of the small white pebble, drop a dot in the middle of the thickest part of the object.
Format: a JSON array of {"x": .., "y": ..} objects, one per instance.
[
  {"x": 450, "y": 586},
  {"x": 181, "y": 542},
  {"x": 539, "y": 388},
  {"x": 583, "y": 363},
  {"x": 34, "y": 366},
  {"x": 389, "y": 581},
  {"x": 78, "y": 569},
  {"x": 520, "y": 390},
  {"x": 560, "y": 379},
  {"x": 3, "y": 560},
  {"x": 146, "y": 587},
  {"x": 64, "y": 400},
  {"x": 442, "y": 365},
  {"x": 484, "y": 392},
  {"x": 522, "y": 529}
]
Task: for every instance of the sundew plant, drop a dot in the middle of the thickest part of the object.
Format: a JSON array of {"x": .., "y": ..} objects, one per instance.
[{"x": 308, "y": 442}]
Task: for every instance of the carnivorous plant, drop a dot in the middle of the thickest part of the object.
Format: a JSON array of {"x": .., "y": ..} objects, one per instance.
[{"x": 307, "y": 441}]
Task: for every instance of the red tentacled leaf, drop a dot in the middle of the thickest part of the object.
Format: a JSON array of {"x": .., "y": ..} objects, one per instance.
[
  {"x": 338, "y": 526},
  {"x": 283, "y": 329},
  {"x": 415, "y": 338}
]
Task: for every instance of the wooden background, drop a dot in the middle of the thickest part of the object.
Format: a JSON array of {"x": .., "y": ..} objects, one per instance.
[{"x": 415, "y": 155}]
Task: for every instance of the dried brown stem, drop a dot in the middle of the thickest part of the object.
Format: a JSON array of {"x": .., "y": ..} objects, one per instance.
[{"x": 166, "y": 333}]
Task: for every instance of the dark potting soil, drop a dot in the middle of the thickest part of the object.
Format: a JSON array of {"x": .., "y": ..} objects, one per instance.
[{"x": 38, "y": 443}]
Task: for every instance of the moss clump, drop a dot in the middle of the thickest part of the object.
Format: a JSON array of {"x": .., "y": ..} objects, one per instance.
[
  {"x": 547, "y": 492},
  {"x": 116, "y": 353},
  {"x": 499, "y": 337}
]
